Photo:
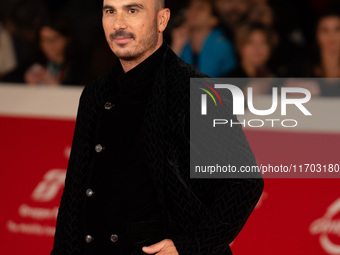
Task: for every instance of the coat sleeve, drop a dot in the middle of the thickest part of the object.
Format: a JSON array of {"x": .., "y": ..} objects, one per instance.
[{"x": 226, "y": 204}]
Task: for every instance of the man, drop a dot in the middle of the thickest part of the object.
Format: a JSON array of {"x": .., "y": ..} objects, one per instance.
[
  {"x": 127, "y": 188},
  {"x": 206, "y": 48}
]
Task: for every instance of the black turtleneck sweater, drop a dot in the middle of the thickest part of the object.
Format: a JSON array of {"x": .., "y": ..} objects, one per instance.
[{"x": 120, "y": 186}]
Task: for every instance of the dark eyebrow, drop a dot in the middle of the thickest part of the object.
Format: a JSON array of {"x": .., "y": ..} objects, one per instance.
[
  {"x": 134, "y": 5},
  {"x": 106, "y": 7}
]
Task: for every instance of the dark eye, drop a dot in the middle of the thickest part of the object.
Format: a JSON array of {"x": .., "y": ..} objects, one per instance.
[
  {"x": 132, "y": 10},
  {"x": 109, "y": 11}
]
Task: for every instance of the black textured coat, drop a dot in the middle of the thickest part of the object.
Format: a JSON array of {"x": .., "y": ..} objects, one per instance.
[{"x": 203, "y": 215}]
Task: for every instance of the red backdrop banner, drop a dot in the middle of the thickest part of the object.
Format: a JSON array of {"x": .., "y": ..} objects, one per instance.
[{"x": 34, "y": 155}]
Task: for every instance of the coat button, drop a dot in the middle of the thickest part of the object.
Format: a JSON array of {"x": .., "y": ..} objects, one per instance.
[
  {"x": 89, "y": 192},
  {"x": 88, "y": 239},
  {"x": 114, "y": 238},
  {"x": 99, "y": 148},
  {"x": 108, "y": 106}
]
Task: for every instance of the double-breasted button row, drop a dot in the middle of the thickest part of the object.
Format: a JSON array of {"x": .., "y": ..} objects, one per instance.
[
  {"x": 89, "y": 192},
  {"x": 89, "y": 238}
]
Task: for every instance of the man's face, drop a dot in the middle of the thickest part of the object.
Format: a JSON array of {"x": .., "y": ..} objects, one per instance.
[
  {"x": 231, "y": 11},
  {"x": 130, "y": 27}
]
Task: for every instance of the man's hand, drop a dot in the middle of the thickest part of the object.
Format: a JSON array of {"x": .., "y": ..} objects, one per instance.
[{"x": 164, "y": 247}]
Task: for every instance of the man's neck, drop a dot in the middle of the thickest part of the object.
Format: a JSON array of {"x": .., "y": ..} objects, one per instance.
[{"x": 128, "y": 65}]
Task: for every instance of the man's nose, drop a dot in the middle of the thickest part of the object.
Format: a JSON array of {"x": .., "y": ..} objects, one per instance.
[{"x": 120, "y": 22}]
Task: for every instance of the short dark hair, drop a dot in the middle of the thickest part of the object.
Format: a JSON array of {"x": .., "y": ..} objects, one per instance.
[{"x": 160, "y": 4}]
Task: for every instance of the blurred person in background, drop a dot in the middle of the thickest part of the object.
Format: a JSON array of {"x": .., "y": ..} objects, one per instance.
[
  {"x": 22, "y": 20},
  {"x": 230, "y": 14},
  {"x": 8, "y": 60},
  {"x": 57, "y": 65},
  {"x": 261, "y": 13},
  {"x": 287, "y": 19},
  {"x": 325, "y": 60},
  {"x": 328, "y": 41},
  {"x": 200, "y": 43},
  {"x": 254, "y": 43}
]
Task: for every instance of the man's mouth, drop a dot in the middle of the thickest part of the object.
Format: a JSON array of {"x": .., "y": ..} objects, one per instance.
[{"x": 122, "y": 39}]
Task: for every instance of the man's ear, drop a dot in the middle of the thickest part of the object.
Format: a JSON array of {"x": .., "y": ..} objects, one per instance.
[{"x": 163, "y": 19}]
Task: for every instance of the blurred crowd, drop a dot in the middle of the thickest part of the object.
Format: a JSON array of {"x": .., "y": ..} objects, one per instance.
[{"x": 61, "y": 42}]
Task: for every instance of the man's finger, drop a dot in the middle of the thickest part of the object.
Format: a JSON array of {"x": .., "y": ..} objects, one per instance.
[{"x": 154, "y": 248}]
